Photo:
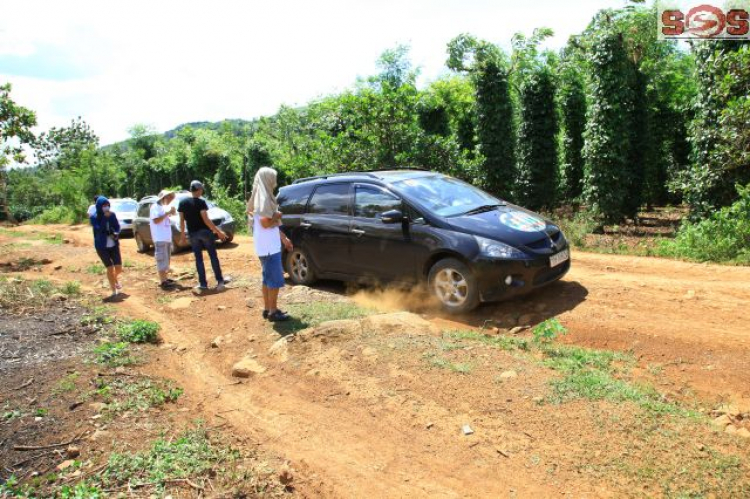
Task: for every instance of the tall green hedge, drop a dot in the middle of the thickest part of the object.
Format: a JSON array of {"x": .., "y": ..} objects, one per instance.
[{"x": 536, "y": 182}]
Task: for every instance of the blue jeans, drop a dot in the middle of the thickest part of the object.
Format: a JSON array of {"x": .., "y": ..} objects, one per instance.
[
  {"x": 204, "y": 240},
  {"x": 273, "y": 271}
]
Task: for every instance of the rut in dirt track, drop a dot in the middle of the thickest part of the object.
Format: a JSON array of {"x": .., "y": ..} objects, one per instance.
[{"x": 687, "y": 318}]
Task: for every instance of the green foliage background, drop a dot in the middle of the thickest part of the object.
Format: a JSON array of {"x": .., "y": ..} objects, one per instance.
[{"x": 615, "y": 120}]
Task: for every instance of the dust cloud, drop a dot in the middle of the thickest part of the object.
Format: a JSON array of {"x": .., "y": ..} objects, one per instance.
[{"x": 396, "y": 299}]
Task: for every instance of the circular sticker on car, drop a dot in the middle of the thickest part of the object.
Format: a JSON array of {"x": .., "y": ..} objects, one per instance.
[{"x": 521, "y": 221}]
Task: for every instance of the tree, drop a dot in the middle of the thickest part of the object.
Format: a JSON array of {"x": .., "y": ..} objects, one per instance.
[
  {"x": 15, "y": 132},
  {"x": 52, "y": 147},
  {"x": 607, "y": 152},
  {"x": 488, "y": 68},
  {"x": 719, "y": 134},
  {"x": 572, "y": 105},
  {"x": 536, "y": 183}
]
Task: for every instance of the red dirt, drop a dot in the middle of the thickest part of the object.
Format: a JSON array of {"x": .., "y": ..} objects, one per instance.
[{"x": 358, "y": 427}]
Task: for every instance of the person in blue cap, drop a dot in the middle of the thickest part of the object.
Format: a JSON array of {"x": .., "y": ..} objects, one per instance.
[{"x": 107, "y": 242}]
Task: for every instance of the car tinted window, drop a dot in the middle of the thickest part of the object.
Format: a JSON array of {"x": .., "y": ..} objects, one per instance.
[
  {"x": 293, "y": 202},
  {"x": 144, "y": 210},
  {"x": 330, "y": 199},
  {"x": 371, "y": 202}
]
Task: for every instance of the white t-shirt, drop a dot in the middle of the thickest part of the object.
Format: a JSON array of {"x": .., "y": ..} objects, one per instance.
[
  {"x": 160, "y": 232},
  {"x": 92, "y": 210},
  {"x": 267, "y": 241}
]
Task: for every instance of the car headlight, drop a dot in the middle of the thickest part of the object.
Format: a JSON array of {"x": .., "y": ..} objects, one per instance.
[{"x": 496, "y": 249}]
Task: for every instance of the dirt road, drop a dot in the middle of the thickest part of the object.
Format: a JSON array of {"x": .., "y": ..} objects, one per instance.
[{"x": 366, "y": 418}]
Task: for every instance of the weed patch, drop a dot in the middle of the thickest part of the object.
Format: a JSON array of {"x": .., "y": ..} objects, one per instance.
[
  {"x": 126, "y": 395},
  {"x": 67, "y": 384},
  {"x": 190, "y": 456},
  {"x": 113, "y": 354},
  {"x": 139, "y": 331},
  {"x": 96, "y": 269},
  {"x": 442, "y": 363}
]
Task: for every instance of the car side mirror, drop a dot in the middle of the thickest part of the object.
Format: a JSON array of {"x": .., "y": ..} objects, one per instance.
[{"x": 392, "y": 217}]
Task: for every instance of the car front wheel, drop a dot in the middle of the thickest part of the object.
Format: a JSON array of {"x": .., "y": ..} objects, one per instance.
[
  {"x": 454, "y": 285},
  {"x": 142, "y": 246},
  {"x": 300, "y": 268}
]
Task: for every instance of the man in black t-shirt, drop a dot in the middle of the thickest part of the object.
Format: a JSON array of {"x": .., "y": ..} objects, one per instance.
[{"x": 194, "y": 213}]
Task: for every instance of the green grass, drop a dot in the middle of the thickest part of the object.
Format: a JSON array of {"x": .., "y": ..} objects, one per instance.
[
  {"x": 96, "y": 269},
  {"x": 99, "y": 315},
  {"x": 71, "y": 288},
  {"x": 139, "y": 331},
  {"x": 587, "y": 373},
  {"x": 113, "y": 354},
  {"x": 17, "y": 292},
  {"x": 192, "y": 455},
  {"x": 67, "y": 384},
  {"x": 456, "y": 367},
  {"x": 502, "y": 342},
  {"x": 126, "y": 395},
  {"x": 314, "y": 313}
]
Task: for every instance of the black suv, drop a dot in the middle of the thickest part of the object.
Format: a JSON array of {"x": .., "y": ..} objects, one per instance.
[{"x": 417, "y": 226}]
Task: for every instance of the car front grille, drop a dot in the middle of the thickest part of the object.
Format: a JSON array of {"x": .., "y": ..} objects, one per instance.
[{"x": 555, "y": 236}]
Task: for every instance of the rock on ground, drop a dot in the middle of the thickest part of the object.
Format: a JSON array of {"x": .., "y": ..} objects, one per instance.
[{"x": 247, "y": 367}]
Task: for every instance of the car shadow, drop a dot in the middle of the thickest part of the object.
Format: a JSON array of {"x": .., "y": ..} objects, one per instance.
[{"x": 526, "y": 310}]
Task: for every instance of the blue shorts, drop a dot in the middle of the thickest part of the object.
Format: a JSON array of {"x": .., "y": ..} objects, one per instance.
[
  {"x": 273, "y": 272},
  {"x": 110, "y": 256}
]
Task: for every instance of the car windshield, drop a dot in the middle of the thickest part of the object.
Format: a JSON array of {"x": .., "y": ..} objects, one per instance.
[
  {"x": 123, "y": 206},
  {"x": 445, "y": 196}
]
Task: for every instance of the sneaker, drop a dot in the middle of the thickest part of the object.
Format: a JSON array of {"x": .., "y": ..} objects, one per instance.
[
  {"x": 199, "y": 290},
  {"x": 221, "y": 286},
  {"x": 278, "y": 316},
  {"x": 167, "y": 284}
]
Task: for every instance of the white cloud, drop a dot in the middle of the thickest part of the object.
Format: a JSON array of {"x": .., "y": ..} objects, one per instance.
[{"x": 168, "y": 62}]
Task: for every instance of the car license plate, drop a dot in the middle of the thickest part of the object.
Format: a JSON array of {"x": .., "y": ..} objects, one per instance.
[{"x": 559, "y": 258}]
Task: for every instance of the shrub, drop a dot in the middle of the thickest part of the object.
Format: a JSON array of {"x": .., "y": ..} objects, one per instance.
[
  {"x": 58, "y": 215},
  {"x": 722, "y": 237},
  {"x": 139, "y": 331},
  {"x": 577, "y": 228}
]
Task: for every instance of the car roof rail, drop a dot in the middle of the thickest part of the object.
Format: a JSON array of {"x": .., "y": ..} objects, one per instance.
[
  {"x": 368, "y": 173},
  {"x": 329, "y": 175}
]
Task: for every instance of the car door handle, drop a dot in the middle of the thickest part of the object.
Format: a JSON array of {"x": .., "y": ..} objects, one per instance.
[
  {"x": 358, "y": 232},
  {"x": 305, "y": 225}
]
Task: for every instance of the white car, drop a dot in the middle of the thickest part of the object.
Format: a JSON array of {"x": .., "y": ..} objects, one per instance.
[{"x": 125, "y": 209}]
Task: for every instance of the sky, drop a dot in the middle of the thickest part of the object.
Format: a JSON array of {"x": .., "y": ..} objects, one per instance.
[{"x": 164, "y": 62}]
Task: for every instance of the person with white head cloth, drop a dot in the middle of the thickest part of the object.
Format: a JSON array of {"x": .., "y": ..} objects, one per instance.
[{"x": 265, "y": 217}]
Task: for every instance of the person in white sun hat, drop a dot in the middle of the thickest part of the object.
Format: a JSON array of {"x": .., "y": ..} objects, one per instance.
[{"x": 161, "y": 233}]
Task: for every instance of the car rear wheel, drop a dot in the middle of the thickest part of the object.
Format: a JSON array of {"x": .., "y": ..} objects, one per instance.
[
  {"x": 142, "y": 246},
  {"x": 454, "y": 285},
  {"x": 300, "y": 268}
]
